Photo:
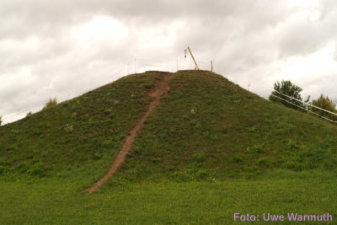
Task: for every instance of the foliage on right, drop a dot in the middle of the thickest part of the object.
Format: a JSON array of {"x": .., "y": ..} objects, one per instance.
[
  {"x": 52, "y": 102},
  {"x": 324, "y": 103},
  {"x": 288, "y": 94}
]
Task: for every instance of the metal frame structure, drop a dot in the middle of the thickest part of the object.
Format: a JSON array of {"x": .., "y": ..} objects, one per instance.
[{"x": 195, "y": 62}]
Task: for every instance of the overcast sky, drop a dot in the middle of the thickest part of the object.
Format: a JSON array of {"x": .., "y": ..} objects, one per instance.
[{"x": 64, "y": 48}]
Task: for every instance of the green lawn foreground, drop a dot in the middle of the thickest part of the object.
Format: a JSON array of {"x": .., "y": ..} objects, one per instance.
[{"x": 59, "y": 202}]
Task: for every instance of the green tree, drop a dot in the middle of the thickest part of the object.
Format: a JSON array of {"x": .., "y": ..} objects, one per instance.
[
  {"x": 324, "y": 103},
  {"x": 284, "y": 89},
  {"x": 50, "y": 104},
  {"x": 0, "y": 120}
]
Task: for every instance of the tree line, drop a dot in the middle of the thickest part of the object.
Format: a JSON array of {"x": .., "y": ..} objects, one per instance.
[{"x": 289, "y": 94}]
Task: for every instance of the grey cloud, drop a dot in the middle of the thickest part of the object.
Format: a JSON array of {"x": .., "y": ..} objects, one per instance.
[
  {"x": 47, "y": 16},
  {"x": 245, "y": 38},
  {"x": 304, "y": 38}
]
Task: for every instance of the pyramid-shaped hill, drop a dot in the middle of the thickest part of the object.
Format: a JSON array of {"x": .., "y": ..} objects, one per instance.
[{"x": 204, "y": 127}]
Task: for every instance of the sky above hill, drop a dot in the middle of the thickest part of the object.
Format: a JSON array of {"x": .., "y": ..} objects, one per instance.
[{"x": 64, "y": 48}]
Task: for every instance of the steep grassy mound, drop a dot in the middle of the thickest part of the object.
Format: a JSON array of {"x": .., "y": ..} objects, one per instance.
[
  {"x": 208, "y": 127},
  {"x": 77, "y": 137},
  {"x": 205, "y": 127}
]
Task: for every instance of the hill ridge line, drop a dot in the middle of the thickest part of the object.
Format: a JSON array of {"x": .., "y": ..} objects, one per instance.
[{"x": 159, "y": 89}]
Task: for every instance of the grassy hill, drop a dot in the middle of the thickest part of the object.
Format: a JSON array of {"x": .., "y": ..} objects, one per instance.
[
  {"x": 209, "y": 149},
  {"x": 205, "y": 127}
]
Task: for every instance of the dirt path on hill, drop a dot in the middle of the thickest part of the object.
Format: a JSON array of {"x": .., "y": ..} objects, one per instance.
[{"x": 159, "y": 89}]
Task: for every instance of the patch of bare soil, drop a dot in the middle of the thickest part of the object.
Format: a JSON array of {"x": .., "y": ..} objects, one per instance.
[{"x": 160, "y": 88}]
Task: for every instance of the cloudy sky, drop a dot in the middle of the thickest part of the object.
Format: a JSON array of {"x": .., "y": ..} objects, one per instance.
[{"x": 64, "y": 48}]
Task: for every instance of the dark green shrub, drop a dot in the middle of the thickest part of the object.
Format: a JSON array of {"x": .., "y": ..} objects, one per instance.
[{"x": 52, "y": 102}]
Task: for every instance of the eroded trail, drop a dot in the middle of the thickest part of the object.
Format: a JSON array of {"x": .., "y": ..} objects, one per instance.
[{"x": 160, "y": 88}]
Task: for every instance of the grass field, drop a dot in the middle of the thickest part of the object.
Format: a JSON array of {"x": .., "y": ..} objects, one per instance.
[{"x": 52, "y": 201}]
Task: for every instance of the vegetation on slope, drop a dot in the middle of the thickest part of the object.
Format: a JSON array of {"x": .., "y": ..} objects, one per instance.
[
  {"x": 208, "y": 127},
  {"x": 324, "y": 102},
  {"x": 205, "y": 128},
  {"x": 283, "y": 90},
  {"x": 78, "y": 137}
]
